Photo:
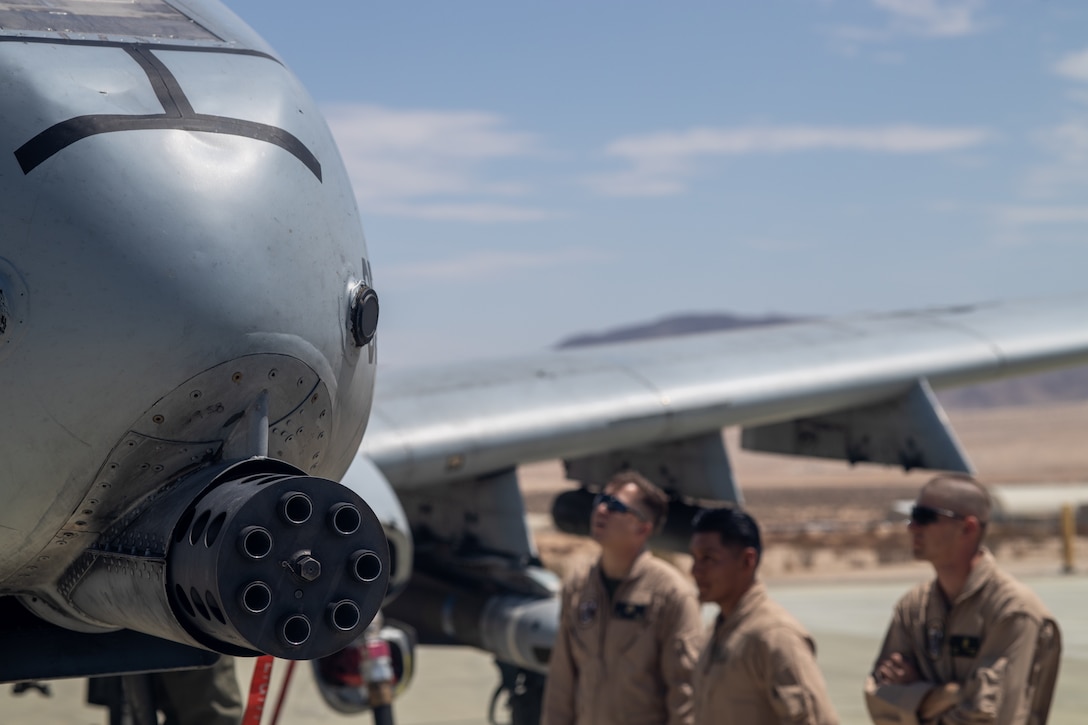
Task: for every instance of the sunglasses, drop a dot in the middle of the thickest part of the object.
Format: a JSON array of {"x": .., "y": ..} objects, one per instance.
[
  {"x": 926, "y": 515},
  {"x": 614, "y": 505}
]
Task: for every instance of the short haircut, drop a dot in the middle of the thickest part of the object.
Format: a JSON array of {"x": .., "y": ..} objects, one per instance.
[
  {"x": 734, "y": 526},
  {"x": 652, "y": 498},
  {"x": 962, "y": 494}
]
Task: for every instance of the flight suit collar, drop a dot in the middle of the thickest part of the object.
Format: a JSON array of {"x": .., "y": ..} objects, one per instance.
[
  {"x": 625, "y": 614},
  {"x": 748, "y": 603},
  {"x": 638, "y": 569},
  {"x": 726, "y": 625},
  {"x": 981, "y": 573},
  {"x": 629, "y": 600}
]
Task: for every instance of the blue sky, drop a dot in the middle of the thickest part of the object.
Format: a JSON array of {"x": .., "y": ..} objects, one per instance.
[{"x": 530, "y": 170}]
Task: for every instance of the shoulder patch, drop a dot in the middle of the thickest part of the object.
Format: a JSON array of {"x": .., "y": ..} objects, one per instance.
[{"x": 587, "y": 611}]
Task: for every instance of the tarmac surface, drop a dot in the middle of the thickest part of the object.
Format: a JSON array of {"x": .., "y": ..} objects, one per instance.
[{"x": 453, "y": 686}]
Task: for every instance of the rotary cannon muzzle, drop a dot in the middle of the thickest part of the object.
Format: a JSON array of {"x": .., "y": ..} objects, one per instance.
[
  {"x": 279, "y": 563},
  {"x": 247, "y": 558}
]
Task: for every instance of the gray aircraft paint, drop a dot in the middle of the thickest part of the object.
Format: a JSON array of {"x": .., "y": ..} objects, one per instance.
[
  {"x": 431, "y": 425},
  {"x": 179, "y": 239},
  {"x": 179, "y": 236}
]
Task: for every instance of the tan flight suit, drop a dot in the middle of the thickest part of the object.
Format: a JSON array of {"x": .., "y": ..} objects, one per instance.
[
  {"x": 626, "y": 661},
  {"x": 997, "y": 641},
  {"x": 760, "y": 668}
]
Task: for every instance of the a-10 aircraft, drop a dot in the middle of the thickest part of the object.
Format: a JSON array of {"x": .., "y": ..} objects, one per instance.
[{"x": 188, "y": 356}]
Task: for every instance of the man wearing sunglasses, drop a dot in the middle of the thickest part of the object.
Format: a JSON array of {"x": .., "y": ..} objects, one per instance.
[
  {"x": 973, "y": 645},
  {"x": 629, "y": 626},
  {"x": 759, "y": 667}
]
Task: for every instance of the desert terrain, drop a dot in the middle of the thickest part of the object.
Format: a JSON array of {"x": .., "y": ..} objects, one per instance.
[{"x": 826, "y": 518}]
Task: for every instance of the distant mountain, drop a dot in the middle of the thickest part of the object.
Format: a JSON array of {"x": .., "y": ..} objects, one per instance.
[
  {"x": 1060, "y": 386},
  {"x": 692, "y": 324},
  {"x": 1054, "y": 387}
]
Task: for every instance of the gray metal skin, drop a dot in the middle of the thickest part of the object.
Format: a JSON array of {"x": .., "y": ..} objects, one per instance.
[
  {"x": 179, "y": 253},
  {"x": 449, "y": 440},
  {"x": 157, "y": 281},
  {"x": 431, "y": 425}
]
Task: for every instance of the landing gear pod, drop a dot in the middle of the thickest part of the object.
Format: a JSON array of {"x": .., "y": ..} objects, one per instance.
[{"x": 342, "y": 677}]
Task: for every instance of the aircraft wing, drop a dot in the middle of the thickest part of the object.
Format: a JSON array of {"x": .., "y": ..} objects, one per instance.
[
  {"x": 448, "y": 441},
  {"x": 429, "y": 426}
]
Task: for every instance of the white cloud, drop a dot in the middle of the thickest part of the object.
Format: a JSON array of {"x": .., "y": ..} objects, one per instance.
[
  {"x": 1066, "y": 170},
  {"x": 484, "y": 264},
  {"x": 1038, "y": 215},
  {"x": 468, "y": 212},
  {"x": 1074, "y": 65},
  {"x": 1069, "y": 142},
  {"x": 430, "y": 164},
  {"x": 781, "y": 139},
  {"x": 660, "y": 164},
  {"x": 1055, "y": 180},
  {"x": 909, "y": 18},
  {"x": 933, "y": 18}
]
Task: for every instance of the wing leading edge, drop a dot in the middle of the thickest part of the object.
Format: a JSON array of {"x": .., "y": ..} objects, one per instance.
[{"x": 430, "y": 426}]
